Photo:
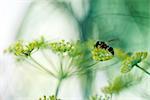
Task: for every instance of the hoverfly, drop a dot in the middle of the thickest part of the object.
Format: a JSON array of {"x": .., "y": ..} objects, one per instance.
[{"x": 104, "y": 45}]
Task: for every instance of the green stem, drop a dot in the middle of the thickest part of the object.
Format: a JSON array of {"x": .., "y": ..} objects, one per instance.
[
  {"x": 32, "y": 64},
  {"x": 88, "y": 68},
  {"x": 92, "y": 64},
  {"x": 61, "y": 75},
  {"x": 111, "y": 95},
  {"x": 69, "y": 66},
  {"x": 143, "y": 69},
  {"x": 42, "y": 67},
  {"x": 48, "y": 60},
  {"x": 58, "y": 86},
  {"x": 61, "y": 63}
]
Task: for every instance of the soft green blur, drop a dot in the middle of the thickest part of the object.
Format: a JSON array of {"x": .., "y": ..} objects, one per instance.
[{"x": 128, "y": 21}]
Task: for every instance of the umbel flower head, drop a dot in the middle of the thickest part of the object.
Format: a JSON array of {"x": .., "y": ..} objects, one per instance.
[
  {"x": 62, "y": 47},
  {"x": 23, "y": 49},
  {"x": 100, "y": 54},
  {"x": 132, "y": 60},
  {"x": 16, "y": 48}
]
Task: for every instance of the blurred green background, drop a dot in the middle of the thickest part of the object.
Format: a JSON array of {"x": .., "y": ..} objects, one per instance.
[{"x": 128, "y": 21}]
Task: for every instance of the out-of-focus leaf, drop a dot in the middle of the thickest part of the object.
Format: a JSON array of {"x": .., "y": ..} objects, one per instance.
[
  {"x": 121, "y": 82},
  {"x": 120, "y": 54}
]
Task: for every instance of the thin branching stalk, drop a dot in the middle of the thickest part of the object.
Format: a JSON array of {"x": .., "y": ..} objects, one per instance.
[
  {"x": 88, "y": 67},
  {"x": 143, "y": 69},
  {"x": 92, "y": 64},
  {"x": 42, "y": 67},
  {"x": 49, "y": 60},
  {"x": 61, "y": 64},
  {"x": 80, "y": 70},
  {"x": 69, "y": 65},
  {"x": 28, "y": 62},
  {"x": 61, "y": 77},
  {"x": 58, "y": 86}
]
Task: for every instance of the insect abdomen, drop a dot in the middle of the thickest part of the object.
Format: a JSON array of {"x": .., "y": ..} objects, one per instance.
[{"x": 111, "y": 50}]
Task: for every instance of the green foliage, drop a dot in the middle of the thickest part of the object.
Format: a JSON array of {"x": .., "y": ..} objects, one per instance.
[
  {"x": 133, "y": 60},
  {"x": 49, "y": 98},
  {"x": 120, "y": 54},
  {"x": 120, "y": 83}
]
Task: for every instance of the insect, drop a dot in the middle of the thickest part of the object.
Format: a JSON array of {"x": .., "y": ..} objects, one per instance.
[{"x": 103, "y": 45}]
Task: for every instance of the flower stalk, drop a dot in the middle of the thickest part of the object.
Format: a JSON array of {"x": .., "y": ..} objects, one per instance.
[
  {"x": 42, "y": 67},
  {"x": 143, "y": 69},
  {"x": 58, "y": 86}
]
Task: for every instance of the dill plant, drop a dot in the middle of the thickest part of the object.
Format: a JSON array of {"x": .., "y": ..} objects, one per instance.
[{"x": 24, "y": 50}]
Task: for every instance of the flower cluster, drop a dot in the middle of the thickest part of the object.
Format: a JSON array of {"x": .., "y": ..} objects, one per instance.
[
  {"x": 23, "y": 49},
  {"x": 99, "y": 54},
  {"x": 62, "y": 47},
  {"x": 96, "y": 97},
  {"x": 49, "y": 98},
  {"x": 132, "y": 60}
]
